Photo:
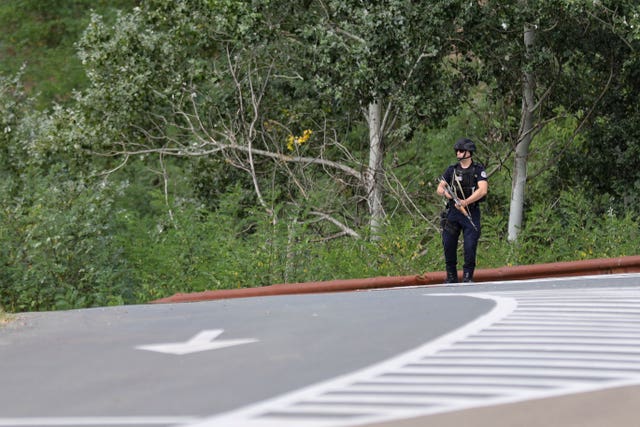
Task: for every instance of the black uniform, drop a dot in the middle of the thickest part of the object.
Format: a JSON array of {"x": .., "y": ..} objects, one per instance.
[{"x": 464, "y": 182}]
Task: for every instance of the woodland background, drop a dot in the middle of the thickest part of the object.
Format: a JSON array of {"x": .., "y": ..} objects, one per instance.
[{"x": 162, "y": 146}]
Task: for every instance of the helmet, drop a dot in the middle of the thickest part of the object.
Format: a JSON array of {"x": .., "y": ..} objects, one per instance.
[{"x": 465, "y": 144}]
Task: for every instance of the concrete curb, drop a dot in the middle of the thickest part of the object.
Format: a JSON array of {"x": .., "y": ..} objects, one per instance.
[{"x": 628, "y": 264}]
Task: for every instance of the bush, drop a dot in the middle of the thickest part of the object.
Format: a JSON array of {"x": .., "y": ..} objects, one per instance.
[{"x": 57, "y": 249}]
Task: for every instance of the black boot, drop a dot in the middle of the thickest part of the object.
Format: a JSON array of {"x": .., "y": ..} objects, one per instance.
[
  {"x": 452, "y": 277},
  {"x": 467, "y": 277}
]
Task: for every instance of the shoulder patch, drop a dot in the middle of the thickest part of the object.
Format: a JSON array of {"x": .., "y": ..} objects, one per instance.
[{"x": 483, "y": 174}]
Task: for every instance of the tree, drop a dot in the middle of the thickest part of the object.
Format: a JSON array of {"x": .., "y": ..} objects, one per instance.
[
  {"x": 211, "y": 79},
  {"x": 525, "y": 134},
  {"x": 552, "y": 80},
  {"x": 390, "y": 59}
]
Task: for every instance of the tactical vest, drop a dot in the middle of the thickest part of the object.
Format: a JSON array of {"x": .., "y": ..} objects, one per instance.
[{"x": 468, "y": 179}]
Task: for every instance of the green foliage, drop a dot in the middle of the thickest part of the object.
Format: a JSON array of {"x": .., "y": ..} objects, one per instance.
[
  {"x": 56, "y": 246},
  {"x": 194, "y": 250},
  {"x": 73, "y": 237},
  {"x": 392, "y": 50},
  {"x": 151, "y": 62},
  {"x": 564, "y": 229},
  {"x": 208, "y": 251},
  {"x": 41, "y": 35},
  {"x": 606, "y": 160},
  {"x": 56, "y": 227}
]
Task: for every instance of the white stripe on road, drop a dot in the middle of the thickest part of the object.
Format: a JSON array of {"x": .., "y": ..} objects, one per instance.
[{"x": 532, "y": 344}]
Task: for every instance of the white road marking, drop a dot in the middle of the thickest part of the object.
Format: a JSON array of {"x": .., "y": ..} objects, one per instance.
[
  {"x": 202, "y": 341},
  {"x": 494, "y": 370},
  {"x": 532, "y": 344}
]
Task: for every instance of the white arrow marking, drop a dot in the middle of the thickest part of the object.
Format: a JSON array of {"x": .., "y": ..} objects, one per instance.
[{"x": 201, "y": 342}]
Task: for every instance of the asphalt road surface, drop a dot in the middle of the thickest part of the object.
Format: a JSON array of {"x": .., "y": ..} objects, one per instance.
[{"x": 541, "y": 352}]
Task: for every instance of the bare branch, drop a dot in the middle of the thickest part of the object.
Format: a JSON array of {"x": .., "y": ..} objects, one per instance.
[{"x": 346, "y": 230}]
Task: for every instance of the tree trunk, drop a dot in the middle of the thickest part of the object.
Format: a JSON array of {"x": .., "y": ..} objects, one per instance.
[
  {"x": 525, "y": 136},
  {"x": 375, "y": 173}
]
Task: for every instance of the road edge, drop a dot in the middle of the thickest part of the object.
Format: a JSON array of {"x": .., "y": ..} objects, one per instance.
[{"x": 625, "y": 264}]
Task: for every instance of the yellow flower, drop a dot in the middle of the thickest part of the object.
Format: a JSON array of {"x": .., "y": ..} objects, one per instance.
[
  {"x": 291, "y": 140},
  {"x": 296, "y": 141}
]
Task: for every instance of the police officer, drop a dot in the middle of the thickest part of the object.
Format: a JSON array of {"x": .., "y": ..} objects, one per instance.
[{"x": 468, "y": 179}]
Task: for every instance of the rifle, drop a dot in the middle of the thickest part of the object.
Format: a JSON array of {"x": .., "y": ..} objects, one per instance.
[{"x": 456, "y": 201}]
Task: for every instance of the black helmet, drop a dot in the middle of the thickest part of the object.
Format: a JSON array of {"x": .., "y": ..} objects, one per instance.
[{"x": 465, "y": 144}]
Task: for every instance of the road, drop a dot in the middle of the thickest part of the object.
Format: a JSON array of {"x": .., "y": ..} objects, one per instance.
[{"x": 490, "y": 353}]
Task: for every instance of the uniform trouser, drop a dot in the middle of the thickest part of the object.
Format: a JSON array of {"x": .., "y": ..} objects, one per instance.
[{"x": 456, "y": 223}]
